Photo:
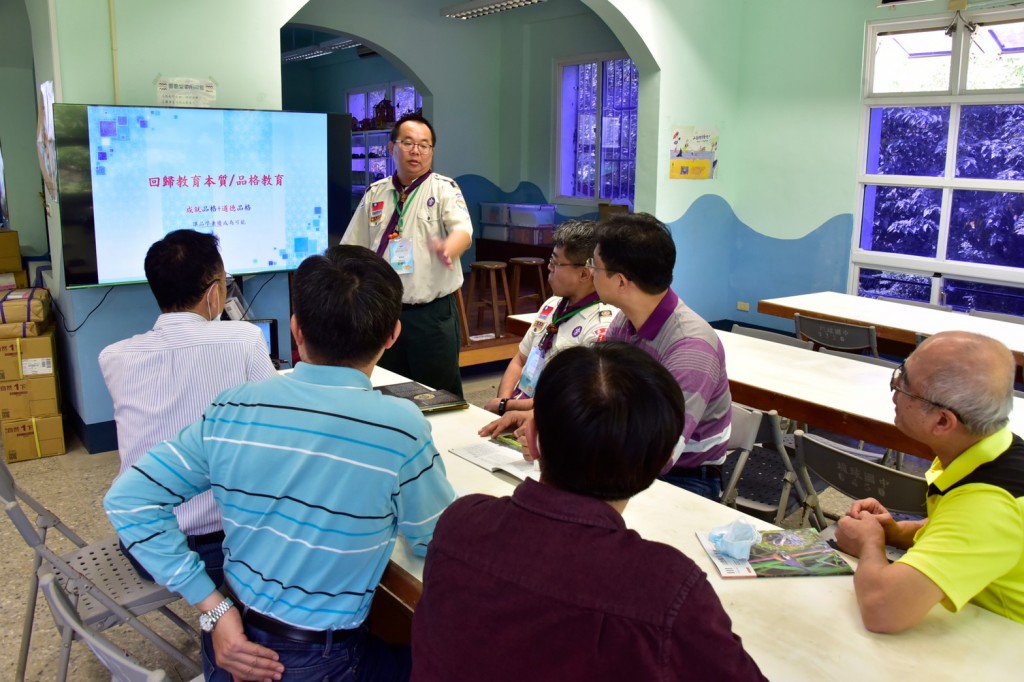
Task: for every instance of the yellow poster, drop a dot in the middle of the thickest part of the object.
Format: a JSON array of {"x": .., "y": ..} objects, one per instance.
[{"x": 690, "y": 169}]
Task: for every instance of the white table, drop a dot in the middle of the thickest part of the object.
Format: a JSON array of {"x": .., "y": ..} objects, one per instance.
[
  {"x": 795, "y": 628},
  {"x": 894, "y": 321}
]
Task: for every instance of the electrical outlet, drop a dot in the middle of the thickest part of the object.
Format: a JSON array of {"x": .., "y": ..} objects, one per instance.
[{"x": 743, "y": 306}]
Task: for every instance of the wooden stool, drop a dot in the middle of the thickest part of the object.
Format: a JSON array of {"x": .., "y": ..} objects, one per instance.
[
  {"x": 463, "y": 320},
  {"x": 477, "y": 269},
  {"x": 518, "y": 264}
]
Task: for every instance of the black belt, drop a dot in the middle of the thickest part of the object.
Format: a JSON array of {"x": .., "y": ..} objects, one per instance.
[
  {"x": 715, "y": 469},
  {"x": 207, "y": 538},
  {"x": 283, "y": 630}
]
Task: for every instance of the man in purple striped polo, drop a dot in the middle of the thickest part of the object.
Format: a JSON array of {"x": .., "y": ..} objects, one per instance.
[
  {"x": 632, "y": 267},
  {"x": 164, "y": 380}
]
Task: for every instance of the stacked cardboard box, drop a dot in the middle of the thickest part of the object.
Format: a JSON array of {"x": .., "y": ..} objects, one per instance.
[{"x": 30, "y": 417}]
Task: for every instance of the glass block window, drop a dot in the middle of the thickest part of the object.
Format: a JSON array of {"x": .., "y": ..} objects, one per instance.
[
  {"x": 942, "y": 173},
  {"x": 596, "y": 146}
]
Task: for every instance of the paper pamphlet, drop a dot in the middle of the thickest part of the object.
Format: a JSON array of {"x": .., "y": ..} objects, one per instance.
[
  {"x": 495, "y": 455},
  {"x": 780, "y": 553}
]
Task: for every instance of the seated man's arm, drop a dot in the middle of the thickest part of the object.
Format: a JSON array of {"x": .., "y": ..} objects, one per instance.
[
  {"x": 891, "y": 597},
  {"x": 898, "y": 534},
  {"x": 697, "y": 369},
  {"x": 423, "y": 493},
  {"x": 508, "y": 381}
]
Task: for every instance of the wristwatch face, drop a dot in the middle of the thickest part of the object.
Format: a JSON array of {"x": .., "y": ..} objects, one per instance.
[{"x": 206, "y": 623}]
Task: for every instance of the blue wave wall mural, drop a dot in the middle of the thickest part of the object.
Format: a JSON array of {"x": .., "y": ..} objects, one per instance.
[{"x": 720, "y": 260}]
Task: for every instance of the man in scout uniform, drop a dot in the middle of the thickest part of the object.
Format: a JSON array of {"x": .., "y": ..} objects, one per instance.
[
  {"x": 574, "y": 316},
  {"x": 417, "y": 220}
]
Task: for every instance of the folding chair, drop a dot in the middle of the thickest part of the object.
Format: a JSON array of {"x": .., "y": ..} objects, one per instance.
[
  {"x": 772, "y": 336},
  {"x": 768, "y": 432},
  {"x": 109, "y": 591},
  {"x": 1002, "y": 317},
  {"x": 836, "y": 335},
  {"x": 851, "y": 475},
  {"x": 121, "y": 665},
  {"x": 919, "y": 304}
]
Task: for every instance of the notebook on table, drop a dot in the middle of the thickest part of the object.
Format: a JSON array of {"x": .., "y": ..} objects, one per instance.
[{"x": 427, "y": 399}]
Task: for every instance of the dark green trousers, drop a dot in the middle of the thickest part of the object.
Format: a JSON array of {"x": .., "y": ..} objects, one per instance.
[{"x": 427, "y": 350}]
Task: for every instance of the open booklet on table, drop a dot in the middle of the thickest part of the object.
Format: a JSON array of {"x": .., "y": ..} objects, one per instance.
[
  {"x": 500, "y": 454},
  {"x": 427, "y": 399},
  {"x": 781, "y": 553}
]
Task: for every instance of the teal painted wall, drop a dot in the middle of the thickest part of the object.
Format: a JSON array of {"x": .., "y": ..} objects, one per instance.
[
  {"x": 18, "y": 129},
  {"x": 321, "y": 84}
]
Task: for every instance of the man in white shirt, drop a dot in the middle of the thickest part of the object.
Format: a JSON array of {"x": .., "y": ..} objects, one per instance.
[
  {"x": 164, "y": 379},
  {"x": 574, "y": 316},
  {"x": 417, "y": 220}
]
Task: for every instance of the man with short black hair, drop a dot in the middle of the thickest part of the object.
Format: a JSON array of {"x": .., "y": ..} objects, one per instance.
[
  {"x": 954, "y": 394},
  {"x": 549, "y": 583},
  {"x": 314, "y": 473},
  {"x": 417, "y": 220},
  {"x": 573, "y": 316},
  {"x": 632, "y": 265},
  {"x": 162, "y": 380}
]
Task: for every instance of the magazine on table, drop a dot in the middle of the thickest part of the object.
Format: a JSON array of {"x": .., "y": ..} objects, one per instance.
[
  {"x": 781, "y": 553},
  {"x": 503, "y": 453}
]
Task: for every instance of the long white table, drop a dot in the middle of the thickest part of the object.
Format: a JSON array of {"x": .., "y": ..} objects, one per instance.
[
  {"x": 894, "y": 321},
  {"x": 795, "y": 628}
]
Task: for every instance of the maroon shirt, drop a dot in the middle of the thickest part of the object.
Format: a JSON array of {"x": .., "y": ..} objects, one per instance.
[{"x": 549, "y": 585}]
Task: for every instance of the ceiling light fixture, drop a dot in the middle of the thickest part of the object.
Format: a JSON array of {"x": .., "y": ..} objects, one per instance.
[
  {"x": 480, "y": 8},
  {"x": 319, "y": 50}
]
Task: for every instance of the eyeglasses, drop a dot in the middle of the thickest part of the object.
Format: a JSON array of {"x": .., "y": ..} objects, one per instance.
[
  {"x": 899, "y": 377},
  {"x": 407, "y": 145},
  {"x": 590, "y": 265},
  {"x": 554, "y": 264}
]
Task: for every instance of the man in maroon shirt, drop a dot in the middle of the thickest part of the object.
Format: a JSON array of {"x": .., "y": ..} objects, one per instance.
[{"x": 549, "y": 583}]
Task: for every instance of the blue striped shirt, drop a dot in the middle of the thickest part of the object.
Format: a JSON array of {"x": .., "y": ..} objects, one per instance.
[
  {"x": 163, "y": 380},
  {"x": 314, "y": 473}
]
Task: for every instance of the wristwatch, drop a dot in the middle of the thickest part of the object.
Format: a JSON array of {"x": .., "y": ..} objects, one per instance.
[
  {"x": 502, "y": 404},
  {"x": 208, "y": 619}
]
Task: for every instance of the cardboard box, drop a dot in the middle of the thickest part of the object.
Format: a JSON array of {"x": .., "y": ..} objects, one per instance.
[
  {"x": 13, "y": 280},
  {"x": 29, "y": 397},
  {"x": 10, "y": 251},
  {"x": 31, "y": 356},
  {"x": 25, "y": 305},
  {"x": 32, "y": 438},
  {"x": 12, "y": 330}
]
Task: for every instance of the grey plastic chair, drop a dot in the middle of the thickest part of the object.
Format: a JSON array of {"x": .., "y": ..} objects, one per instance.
[
  {"x": 121, "y": 665},
  {"x": 772, "y": 336},
  {"x": 856, "y": 477},
  {"x": 767, "y": 431},
  {"x": 109, "y": 590},
  {"x": 1002, "y": 317},
  {"x": 919, "y": 304},
  {"x": 870, "y": 359},
  {"x": 836, "y": 335}
]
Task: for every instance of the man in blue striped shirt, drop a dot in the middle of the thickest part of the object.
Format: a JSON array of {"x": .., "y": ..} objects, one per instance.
[
  {"x": 163, "y": 380},
  {"x": 314, "y": 474}
]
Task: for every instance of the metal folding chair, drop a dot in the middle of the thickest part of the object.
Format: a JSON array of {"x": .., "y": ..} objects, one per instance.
[
  {"x": 772, "y": 336},
  {"x": 836, "y": 335},
  {"x": 108, "y": 590},
  {"x": 856, "y": 477},
  {"x": 1002, "y": 317},
  {"x": 764, "y": 428},
  {"x": 121, "y": 665},
  {"x": 919, "y": 304}
]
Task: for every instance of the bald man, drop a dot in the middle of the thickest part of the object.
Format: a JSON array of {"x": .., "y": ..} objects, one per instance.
[{"x": 954, "y": 394}]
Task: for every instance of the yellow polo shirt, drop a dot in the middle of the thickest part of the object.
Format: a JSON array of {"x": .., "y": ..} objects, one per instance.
[{"x": 973, "y": 544}]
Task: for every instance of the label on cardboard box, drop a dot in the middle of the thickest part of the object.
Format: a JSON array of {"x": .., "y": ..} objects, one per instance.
[{"x": 36, "y": 366}]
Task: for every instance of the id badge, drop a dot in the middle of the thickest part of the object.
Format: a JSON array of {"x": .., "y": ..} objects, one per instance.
[
  {"x": 531, "y": 372},
  {"x": 400, "y": 255}
]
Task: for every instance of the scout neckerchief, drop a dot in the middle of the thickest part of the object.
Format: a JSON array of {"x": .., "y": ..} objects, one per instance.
[
  {"x": 404, "y": 195},
  {"x": 562, "y": 313}
]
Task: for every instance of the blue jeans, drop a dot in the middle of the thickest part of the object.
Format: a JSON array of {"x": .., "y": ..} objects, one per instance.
[
  {"x": 704, "y": 481},
  {"x": 360, "y": 657}
]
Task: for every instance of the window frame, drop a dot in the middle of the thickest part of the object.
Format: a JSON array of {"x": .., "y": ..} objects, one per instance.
[
  {"x": 389, "y": 89},
  {"x": 556, "y": 132},
  {"x": 955, "y": 97}
]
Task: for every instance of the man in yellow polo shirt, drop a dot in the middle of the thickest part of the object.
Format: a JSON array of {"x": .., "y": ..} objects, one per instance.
[{"x": 954, "y": 394}]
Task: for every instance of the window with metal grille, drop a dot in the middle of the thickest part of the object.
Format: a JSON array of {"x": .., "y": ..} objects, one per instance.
[{"x": 596, "y": 145}]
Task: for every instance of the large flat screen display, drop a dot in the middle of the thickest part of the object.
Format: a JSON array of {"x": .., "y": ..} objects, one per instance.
[{"x": 129, "y": 175}]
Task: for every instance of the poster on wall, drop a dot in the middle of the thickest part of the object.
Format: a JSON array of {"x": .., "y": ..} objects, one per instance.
[
  {"x": 185, "y": 92},
  {"x": 693, "y": 154}
]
